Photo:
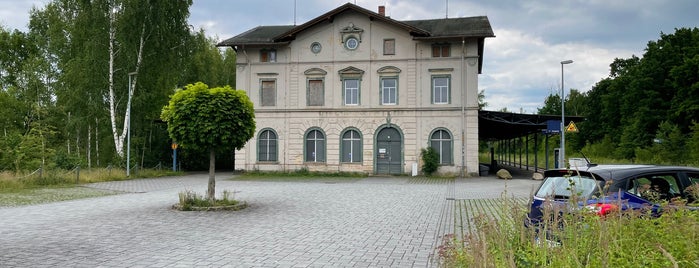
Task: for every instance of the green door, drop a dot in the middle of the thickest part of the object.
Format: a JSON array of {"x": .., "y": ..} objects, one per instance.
[{"x": 388, "y": 155}]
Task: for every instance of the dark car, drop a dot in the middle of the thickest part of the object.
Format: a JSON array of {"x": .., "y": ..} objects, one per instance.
[{"x": 604, "y": 188}]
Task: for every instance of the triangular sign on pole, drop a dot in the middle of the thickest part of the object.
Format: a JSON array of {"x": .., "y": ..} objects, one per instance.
[{"x": 571, "y": 127}]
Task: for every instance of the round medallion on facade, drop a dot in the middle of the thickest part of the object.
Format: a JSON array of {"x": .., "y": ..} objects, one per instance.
[
  {"x": 316, "y": 47},
  {"x": 351, "y": 43}
]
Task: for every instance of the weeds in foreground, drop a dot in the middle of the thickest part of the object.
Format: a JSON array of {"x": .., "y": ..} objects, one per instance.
[
  {"x": 189, "y": 200},
  {"x": 619, "y": 239}
]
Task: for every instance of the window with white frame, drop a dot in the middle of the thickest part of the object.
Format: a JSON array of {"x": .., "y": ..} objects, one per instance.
[
  {"x": 351, "y": 78},
  {"x": 315, "y": 146},
  {"x": 267, "y": 146},
  {"x": 442, "y": 142},
  {"x": 351, "y": 147},
  {"x": 351, "y": 91},
  {"x": 389, "y": 91},
  {"x": 440, "y": 89}
]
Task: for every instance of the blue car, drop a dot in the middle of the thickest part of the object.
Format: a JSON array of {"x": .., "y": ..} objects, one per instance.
[{"x": 606, "y": 188}]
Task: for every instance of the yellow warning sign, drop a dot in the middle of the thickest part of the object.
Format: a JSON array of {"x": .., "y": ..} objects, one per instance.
[{"x": 572, "y": 127}]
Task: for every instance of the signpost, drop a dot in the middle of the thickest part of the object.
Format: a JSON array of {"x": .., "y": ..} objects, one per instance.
[{"x": 174, "y": 156}]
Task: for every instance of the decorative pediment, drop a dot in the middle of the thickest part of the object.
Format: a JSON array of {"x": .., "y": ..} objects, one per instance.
[
  {"x": 351, "y": 72},
  {"x": 351, "y": 28},
  {"x": 351, "y": 31},
  {"x": 315, "y": 72},
  {"x": 388, "y": 70}
]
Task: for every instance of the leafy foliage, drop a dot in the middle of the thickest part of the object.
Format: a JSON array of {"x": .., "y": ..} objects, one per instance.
[
  {"x": 210, "y": 119},
  {"x": 430, "y": 160},
  {"x": 645, "y": 109},
  {"x": 54, "y": 81},
  {"x": 202, "y": 118}
]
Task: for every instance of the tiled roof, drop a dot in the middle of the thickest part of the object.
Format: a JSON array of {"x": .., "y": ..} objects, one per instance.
[
  {"x": 420, "y": 29},
  {"x": 257, "y": 36},
  {"x": 456, "y": 27}
]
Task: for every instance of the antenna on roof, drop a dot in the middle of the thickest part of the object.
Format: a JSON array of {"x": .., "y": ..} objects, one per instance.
[
  {"x": 447, "y": 12},
  {"x": 294, "y": 12}
]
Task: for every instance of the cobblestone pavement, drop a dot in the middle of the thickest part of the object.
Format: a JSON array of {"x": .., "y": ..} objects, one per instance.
[{"x": 372, "y": 222}]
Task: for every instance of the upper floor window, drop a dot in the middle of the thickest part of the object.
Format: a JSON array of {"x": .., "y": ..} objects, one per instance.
[
  {"x": 351, "y": 91},
  {"x": 389, "y": 91},
  {"x": 441, "y": 50},
  {"x": 268, "y": 55},
  {"x": 440, "y": 89},
  {"x": 267, "y": 146},
  {"x": 268, "y": 92},
  {"x": 351, "y": 81},
  {"x": 389, "y": 46},
  {"x": 315, "y": 94}
]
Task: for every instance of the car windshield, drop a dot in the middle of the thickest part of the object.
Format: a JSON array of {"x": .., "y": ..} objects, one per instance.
[{"x": 565, "y": 187}]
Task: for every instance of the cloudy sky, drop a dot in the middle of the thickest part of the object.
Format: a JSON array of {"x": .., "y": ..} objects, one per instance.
[{"x": 521, "y": 64}]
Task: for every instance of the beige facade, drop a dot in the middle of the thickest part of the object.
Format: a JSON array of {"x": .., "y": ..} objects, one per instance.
[{"x": 353, "y": 90}]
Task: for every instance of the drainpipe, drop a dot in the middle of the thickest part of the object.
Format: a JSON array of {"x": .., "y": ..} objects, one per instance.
[{"x": 463, "y": 110}]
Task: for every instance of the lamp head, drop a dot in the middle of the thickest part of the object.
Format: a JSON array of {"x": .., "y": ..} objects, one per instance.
[{"x": 567, "y": 62}]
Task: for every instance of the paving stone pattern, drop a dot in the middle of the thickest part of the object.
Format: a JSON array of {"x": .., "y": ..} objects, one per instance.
[{"x": 372, "y": 222}]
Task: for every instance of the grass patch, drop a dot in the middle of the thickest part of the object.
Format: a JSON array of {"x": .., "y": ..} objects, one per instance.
[
  {"x": 301, "y": 174},
  {"x": 23, "y": 197},
  {"x": 24, "y": 188},
  {"x": 620, "y": 239},
  {"x": 14, "y": 182},
  {"x": 191, "y": 201}
]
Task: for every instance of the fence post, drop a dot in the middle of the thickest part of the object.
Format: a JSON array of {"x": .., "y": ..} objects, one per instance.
[{"x": 77, "y": 175}]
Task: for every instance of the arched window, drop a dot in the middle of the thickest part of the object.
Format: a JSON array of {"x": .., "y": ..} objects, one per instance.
[
  {"x": 442, "y": 142},
  {"x": 315, "y": 146},
  {"x": 351, "y": 147},
  {"x": 267, "y": 146}
]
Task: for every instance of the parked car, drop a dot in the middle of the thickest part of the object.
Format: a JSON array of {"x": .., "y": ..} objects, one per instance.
[{"x": 605, "y": 188}]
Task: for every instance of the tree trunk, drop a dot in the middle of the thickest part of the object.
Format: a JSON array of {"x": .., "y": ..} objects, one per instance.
[{"x": 211, "y": 193}]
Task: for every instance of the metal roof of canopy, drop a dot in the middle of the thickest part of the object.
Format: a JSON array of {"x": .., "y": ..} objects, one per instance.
[{"x": 501, "y": 125}]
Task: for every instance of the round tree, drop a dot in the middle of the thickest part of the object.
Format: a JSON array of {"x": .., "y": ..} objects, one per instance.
[{"x": 212, "y": 119}]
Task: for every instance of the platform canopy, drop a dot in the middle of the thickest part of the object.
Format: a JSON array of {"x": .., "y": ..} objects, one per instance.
[{"x": 504, "y": 125}]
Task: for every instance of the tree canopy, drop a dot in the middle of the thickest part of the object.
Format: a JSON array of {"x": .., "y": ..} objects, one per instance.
[
  {"x": 646, "y": 108},
  {"x": 64, "y": 84},
  {"x": 212, "y": 119}
]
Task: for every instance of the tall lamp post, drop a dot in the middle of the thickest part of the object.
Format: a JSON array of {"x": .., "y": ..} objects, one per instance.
[
  {"x": 128, "y": 128},
  {"x": 562, "y": 153}
]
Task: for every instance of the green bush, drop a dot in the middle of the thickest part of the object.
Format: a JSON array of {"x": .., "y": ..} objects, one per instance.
[{"x": 430, "y": 160}]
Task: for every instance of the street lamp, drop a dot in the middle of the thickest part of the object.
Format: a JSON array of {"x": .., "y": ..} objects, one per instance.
[
  {"x": 128, "y": 128},
  {"x": 562, "y": 153}
]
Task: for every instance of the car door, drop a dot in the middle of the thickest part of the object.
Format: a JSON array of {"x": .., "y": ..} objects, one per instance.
[{"x": 655, "y": 187}]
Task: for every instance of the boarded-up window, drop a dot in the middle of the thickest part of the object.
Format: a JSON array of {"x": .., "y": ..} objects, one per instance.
[
  {"x": 441, "y": 50},
  {"x": 316, "y": 94},
  {"x": 389, "y": 46},
  {"x": 268, "y": 93},
  {"x": 268, "y": 55}
]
